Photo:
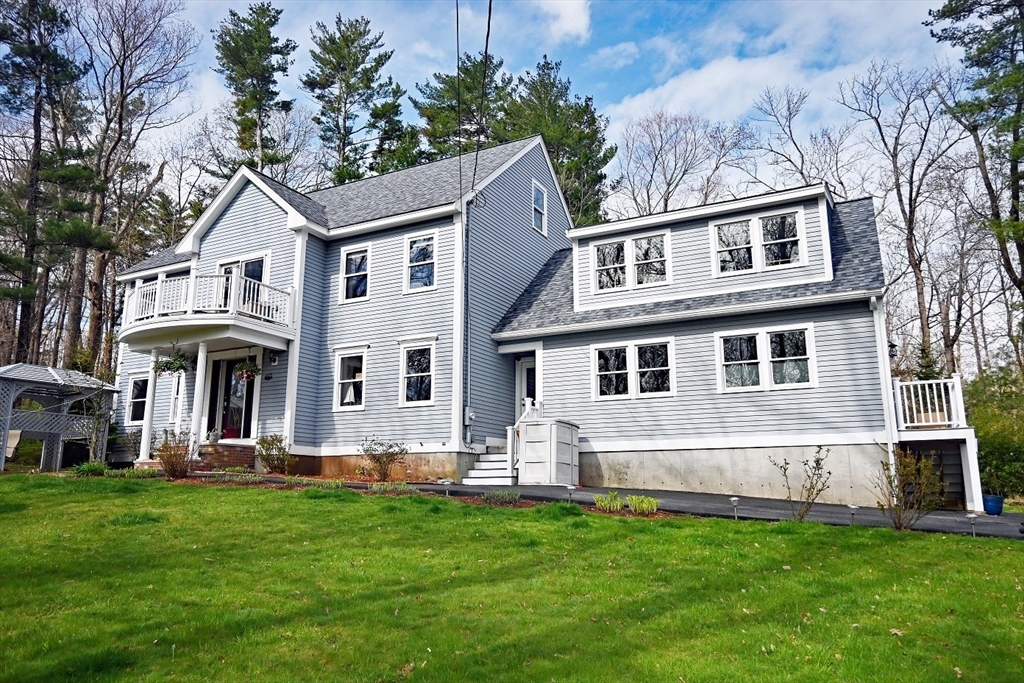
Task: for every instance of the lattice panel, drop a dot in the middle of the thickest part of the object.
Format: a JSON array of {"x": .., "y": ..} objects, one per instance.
[{"x": 69, "y": 426}]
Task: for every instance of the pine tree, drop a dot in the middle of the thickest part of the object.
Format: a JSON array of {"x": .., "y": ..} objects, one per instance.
[
  {"x": 251, "y": 58},
  {"x": 355, "y": 98},
  {"x": 573, "y": 131},
  {"x": 441, "y": 102},
  {"x": 398, "y": 144},
  {"x": 32, "y": 70}
]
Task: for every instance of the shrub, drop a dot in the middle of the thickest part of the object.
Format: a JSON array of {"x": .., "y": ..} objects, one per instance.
[
  {"x": 132, "y": 442},
  {"x": 248, "y": 478},
  {"x": 815, "y": 482},
  {"x": 91, "y": 468},
  {"x": 907, "y": 489},
  {"x": 608, "y": 503},
  {"x": 995, "y": 405},
  {"x": 391, "y": 487},
  {"x": 132, "y": 473},
  {"x": 274, "y": 453},
  {"x": 501, "y": 497},
  {"x": 382, "y": 455},
  {"x": 237, "y": 470},
  {"x": 325, "y": 484},
  {"x": 177, "y": 454},
  {"x": 645, "y": 506}
]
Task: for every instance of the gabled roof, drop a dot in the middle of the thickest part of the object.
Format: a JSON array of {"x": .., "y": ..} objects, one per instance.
[
  {"x": 546, "y": 306},
  {"x": 68, "y": 380},
  {"x": 412, "y": 189},
  {"x": 302, "y": 203},
  {"x": 162, "y": 258}
]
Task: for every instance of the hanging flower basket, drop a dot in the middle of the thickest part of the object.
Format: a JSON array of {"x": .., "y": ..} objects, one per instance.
[
  {"x": 177, "y": 362},
  {"x": 247, "y": 371}
]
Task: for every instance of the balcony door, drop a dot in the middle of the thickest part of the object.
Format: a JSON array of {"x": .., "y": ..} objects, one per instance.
[{"x": 252, "y": 270}]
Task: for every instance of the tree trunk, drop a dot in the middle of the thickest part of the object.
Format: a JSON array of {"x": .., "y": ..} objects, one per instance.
[
  {"x": 97, "y": 289},
  {"x": 25, "y": 329},
  {"x": 75, "y": 304},
  {"x": 919, "y": 287}
]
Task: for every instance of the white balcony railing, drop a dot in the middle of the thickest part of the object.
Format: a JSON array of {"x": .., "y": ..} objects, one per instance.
[
  {"x": 930, "y": 404},
  {"x": 202, "y": 294}
]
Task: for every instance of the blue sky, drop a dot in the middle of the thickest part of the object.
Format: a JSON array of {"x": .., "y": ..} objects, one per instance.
[{"x": 711, "y": 58}]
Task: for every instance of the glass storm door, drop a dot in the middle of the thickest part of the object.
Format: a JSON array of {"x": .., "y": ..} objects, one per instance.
[
  {"x": 526, "y": 383},
  {"x": 231, "y": 401}
]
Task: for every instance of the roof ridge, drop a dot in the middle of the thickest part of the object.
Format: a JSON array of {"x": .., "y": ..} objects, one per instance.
[{"x": 423, "y": 165}]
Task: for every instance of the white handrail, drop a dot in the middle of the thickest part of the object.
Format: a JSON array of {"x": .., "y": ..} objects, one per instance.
[
  {"x": 202, "y": 294},
  {"x": 929, "y": 404}
]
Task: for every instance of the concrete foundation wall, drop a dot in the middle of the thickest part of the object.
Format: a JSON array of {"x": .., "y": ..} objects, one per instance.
[
  {"x": 419, "y": 466},
  {"x": 736, "y": 471}
]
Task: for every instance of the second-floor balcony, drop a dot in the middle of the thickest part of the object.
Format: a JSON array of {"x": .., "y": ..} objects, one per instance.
[{"x": 195, "y": 301}]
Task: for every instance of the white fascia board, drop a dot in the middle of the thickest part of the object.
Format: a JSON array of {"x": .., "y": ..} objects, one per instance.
[
  {"x": 395, "y": 221},
  {"x": 150, "y": 272},
  {"x": 190, "y": 242},
  {"x": 697, "y": 212},
  {"x": 680, "y": 316}
]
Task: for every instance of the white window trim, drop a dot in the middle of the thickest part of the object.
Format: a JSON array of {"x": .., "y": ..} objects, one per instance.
[
  {"x": 405, "y": 261},
  {"x": 632, "y": 369},
  {"x": 132, "y": 378},
  {"x": 764, "y": 363},
  {"x": 369, "y": 261},
  {"x": 533, "y": 207},
  {"x": 422, "y": 342},
  {"x": 630, "y": 264},
  {"x": 345, "y": 352},
  {"x": 757, "y": 242},
  {"x": 252, "y": 256}
]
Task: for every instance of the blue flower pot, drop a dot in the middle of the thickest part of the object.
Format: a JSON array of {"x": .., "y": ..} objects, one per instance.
[{"x": 993, "y": 505}]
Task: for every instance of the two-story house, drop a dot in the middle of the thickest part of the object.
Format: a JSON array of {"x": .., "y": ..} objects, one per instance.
[{"x": 683, "y": 350}]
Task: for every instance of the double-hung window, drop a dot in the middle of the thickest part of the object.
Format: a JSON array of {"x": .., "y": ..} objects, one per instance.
[
  {"x": 761, "y": 360},
  {"x": 758, "y": 243},
  {"x": 420, "y": 262},
  {"x": 417, "y": 378},
  {"x": 633, "y": 369},
  {"x": 355, "y": 279},
  {"x": 631, "y": 263},
  {"x": 349, "y": 378},
  {"x": 135, "y": 411},
  {"x": 177, "y": 396},
  {"x": 540, "y": 208}
]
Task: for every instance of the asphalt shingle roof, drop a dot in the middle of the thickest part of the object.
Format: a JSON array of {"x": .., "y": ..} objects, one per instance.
[
  {"x": 856, "y": 261},
  {"x": 165, "y": 257},
  {"x": 420, "y": 187}
]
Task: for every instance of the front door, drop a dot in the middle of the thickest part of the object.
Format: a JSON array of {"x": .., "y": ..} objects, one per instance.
[
  {"x": 231, "y": 400},
  {"x": 526, "y": 384}
]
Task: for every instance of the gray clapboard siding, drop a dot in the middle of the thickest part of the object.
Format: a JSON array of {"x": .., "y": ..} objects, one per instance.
[
  {"x": 505, "y": 253},
  {"x": 693, "y": 267},
  {"x": 380, "y": 321},
  {"x": 847, "y": 399},
  {"x": 252, "y": 222},
  {"x": 309, "y": 400},
  {"x": 273, "y": 389}
]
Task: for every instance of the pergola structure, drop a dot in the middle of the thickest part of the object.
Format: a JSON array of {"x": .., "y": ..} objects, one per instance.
[{"x": 57, "y": 391}]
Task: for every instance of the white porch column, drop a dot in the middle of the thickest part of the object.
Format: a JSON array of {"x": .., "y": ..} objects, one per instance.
[
  {"x": 972, "y": 476},
  {"x": 147, "y": 419},
  {"x": 197, "y": 394}
]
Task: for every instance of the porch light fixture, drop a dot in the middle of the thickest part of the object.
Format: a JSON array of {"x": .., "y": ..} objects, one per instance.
[
  {"x": 894, "y": 351},
  {"x": 570, "y": 489},
  {"x": 735, "y": 504},
  {"x": 970, "y": 518},
  {"x": 853, "y": 511}
]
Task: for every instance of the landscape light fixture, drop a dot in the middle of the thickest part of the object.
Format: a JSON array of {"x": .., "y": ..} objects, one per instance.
[
  {"x": 970, "y": 518},
  {"x": 735, "y": 502},
  {"x": 570, "y": 488},
  {"x": 853, "y": 511}
]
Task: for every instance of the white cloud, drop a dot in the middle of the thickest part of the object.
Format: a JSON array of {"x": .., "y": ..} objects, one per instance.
[
  {"x": 614, "y": 56},
  {"x": 568, "y": 19}
]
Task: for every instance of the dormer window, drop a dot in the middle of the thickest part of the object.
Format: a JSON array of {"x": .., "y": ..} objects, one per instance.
[
  {"x": 758, "y": 243},
  {"x": 540, "y": 208},
  {"x": 631, "y": 263}
]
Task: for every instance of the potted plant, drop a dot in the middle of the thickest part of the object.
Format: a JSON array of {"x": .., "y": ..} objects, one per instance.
[
  {"x": 176, "y": 362},
  {"x": 247, "y": 370},
  {"x": 994, "y": 481},
  {"x": 213, "y": 436}
]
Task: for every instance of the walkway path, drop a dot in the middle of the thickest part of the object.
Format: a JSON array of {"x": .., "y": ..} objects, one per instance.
[{"x": 1007, "y": 525}]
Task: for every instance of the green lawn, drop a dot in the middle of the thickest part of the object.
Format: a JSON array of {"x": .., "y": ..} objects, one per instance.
[{"x": 120, "y": 580}]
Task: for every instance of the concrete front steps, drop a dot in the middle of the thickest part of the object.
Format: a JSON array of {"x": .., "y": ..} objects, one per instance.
[{"x": 491, "y": 469}]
